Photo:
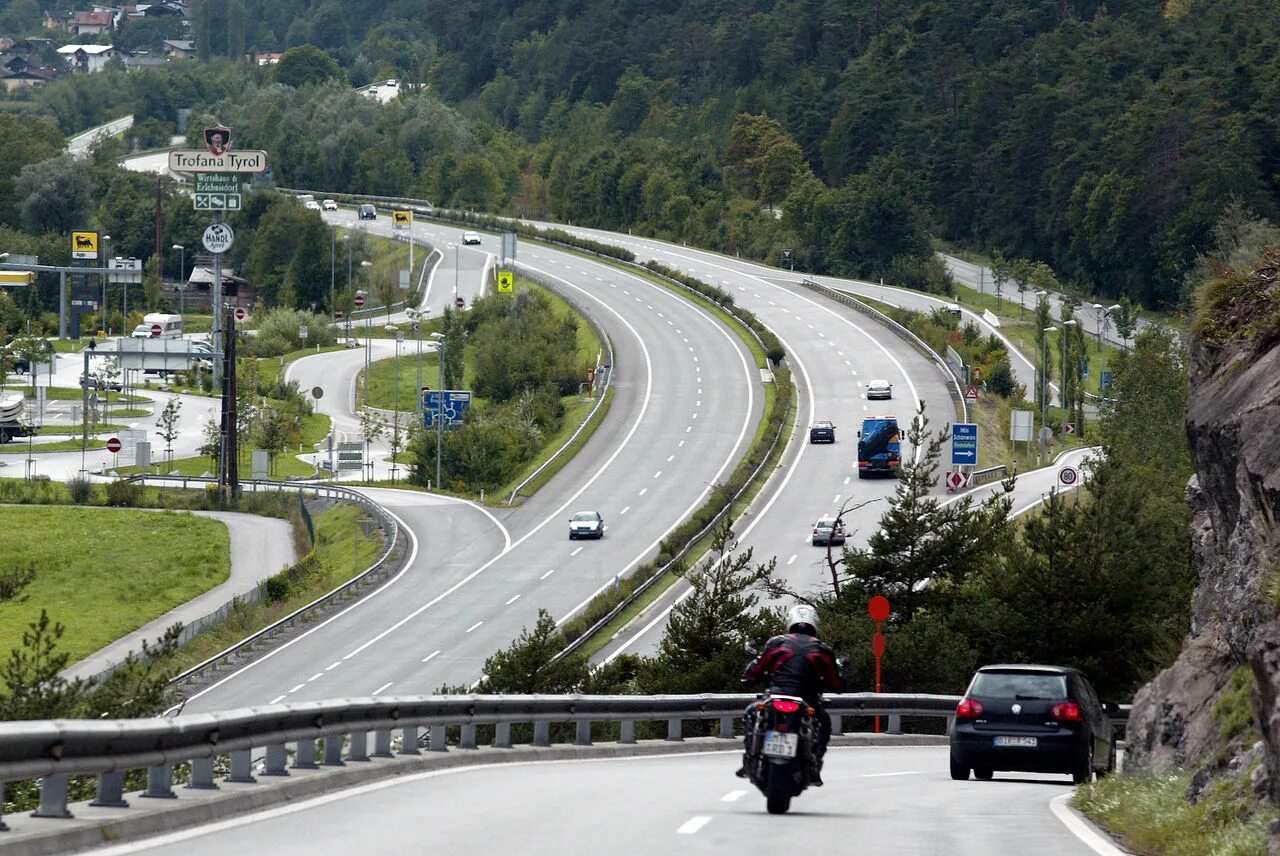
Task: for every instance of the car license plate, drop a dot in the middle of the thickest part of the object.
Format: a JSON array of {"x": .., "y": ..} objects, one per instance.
[
  {"x": 777, "y": 745},
  {"x": 1006, "y": 740}
]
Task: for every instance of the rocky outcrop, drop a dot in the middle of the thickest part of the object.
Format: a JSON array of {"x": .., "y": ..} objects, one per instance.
[{"x": 1233, "y": 424}]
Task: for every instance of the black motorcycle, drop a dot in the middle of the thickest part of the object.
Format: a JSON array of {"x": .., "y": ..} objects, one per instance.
[{"x": 780, "y": 748}]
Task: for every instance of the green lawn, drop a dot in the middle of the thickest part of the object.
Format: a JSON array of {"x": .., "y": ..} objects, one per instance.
[
  {"x": 70, "y": 393},
  {"x": 17, "y": 447},
  {"x": 93, "y": 577}
]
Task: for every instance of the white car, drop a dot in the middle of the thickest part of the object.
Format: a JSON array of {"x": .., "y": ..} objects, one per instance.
[
  {"x": 470, "y": 237},
  {"x": 329, "y": 205},
  {"x": 586, "y": 524},
  {"x": 312, "y": 205}
]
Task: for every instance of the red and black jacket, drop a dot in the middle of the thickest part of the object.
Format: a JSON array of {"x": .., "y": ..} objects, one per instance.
[{"x": 797, "y": 664}]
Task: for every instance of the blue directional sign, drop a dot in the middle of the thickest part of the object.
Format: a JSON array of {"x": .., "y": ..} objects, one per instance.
[
  {"x": 1084, "y": 369},
  {"x": 964, "y": 444},
  {"x": 453, "y": 403},
  {"x": 1104, "y": 380}
]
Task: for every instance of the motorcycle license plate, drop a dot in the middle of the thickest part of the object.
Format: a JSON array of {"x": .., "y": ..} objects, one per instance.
[{"x": 778, "y": 745}]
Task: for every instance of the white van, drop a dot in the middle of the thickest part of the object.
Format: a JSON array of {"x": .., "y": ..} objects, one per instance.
[
  {"x": 953, "y": 309},
  {"x": 170, "y": 326}
]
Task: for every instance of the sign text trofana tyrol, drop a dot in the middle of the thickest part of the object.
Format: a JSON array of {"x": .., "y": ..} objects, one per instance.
[{"x": 194, "y": 160}]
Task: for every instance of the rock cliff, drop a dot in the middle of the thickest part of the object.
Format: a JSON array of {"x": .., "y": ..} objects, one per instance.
[{"x": 1233, "y": 425}]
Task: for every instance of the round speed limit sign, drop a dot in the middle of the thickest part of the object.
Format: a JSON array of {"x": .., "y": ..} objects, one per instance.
[{"x": 1068, "y": 475}]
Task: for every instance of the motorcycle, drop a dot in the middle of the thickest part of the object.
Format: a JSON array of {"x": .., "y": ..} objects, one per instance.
[{"x": 780, "y": 742}]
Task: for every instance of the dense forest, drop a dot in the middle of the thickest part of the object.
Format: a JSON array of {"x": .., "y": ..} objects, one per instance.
[{"x": 1104, "y": 138}]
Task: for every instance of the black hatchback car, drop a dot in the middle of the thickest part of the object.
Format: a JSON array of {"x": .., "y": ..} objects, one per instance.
[
  {"x": 1035, "y": 719},
  {"x": 822, "y": 432}
]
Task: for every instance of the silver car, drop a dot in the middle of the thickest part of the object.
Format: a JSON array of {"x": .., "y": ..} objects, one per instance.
[{"x": 879, "y": 389}]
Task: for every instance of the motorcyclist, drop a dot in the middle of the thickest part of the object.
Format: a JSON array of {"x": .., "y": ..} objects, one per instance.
[{"x": 797, "y": 664}]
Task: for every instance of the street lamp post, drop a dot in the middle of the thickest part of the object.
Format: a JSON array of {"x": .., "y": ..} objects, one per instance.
[
  {"x": 106, "y": 326},
  {"x": 395, "y": 425},
  {"x": 457, "y": 261},
  {"x": 182, "y": 278},
  {"x": 368, "y": 342},
  {"x": 333, "y": 260},
  {"x": 1044, "y": 373},
  {"x": 439, "y": 414},
  {"x": 1062, "y": 393}
]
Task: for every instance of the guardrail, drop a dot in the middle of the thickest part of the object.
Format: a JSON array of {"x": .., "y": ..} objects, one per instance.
[
  {"x": 985, "y": 476},
  {"x": 53, "y": 750},
  {"x": 393, "y": 539},
  {"x": 957, "y": 394},
  {"x": 608, "y": 380}
]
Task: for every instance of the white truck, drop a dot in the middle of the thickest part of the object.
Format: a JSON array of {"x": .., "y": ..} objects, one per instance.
[
  {"x": 170, "y": 326},
  {"x": 11, "y": 405}
]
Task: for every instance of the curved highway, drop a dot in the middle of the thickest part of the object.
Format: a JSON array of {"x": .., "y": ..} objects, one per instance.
[
  {"x": 687, "y": 399},
  {"x": 876, "y": 800}
]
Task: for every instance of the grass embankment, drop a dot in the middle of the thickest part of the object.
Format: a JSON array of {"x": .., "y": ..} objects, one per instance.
[
  {"x": 18, "y": 447},
  {"x": 71, "y": 393},
  {"x": 108, "y": 571},
  {"x": 1151, "y": 815},
  {"x": 341, "y": 551}
]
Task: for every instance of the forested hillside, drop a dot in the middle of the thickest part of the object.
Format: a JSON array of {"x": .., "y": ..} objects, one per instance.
[{"x": 1104, "y": 138}]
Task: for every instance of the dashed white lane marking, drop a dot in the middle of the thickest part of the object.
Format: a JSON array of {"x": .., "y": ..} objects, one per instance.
[
  {"x": 430, "y": 656},
  {"x": 847, "y": 479},
  {"x": 547, "y": 574},
  {"x": 474, "y": 626},
  {"x": 895, "y": 773},
  {"x": 733, "y": 796},
  {"x": 645, "y": 490},
  {"x": 670, "y": 458},
  {"x": 698, "y": 403},
  {"x": 693, "y": 824},
  {"x": 276, "y": 699},
  {"x": 625, "y": 510},
  {"x": 699, "y": 390},
  {"x": 657, "y": 474},
  {"x": 332, "y": 666},
  {"x": 793, "y": 558},
  {"x": 678, "y": 445},
  {"x": 316, "y": 675},
  {"x": 513, "y": 599},
  {"x": 575, "y": 552},
  {"x": 836, "y": 501},
  {"x": 298, "y": 687},
  {"x": 695, "y": 416},
  {"x": 383, "y": 687}
]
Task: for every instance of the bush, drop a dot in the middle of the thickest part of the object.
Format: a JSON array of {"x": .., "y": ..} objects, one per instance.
[
  {"x": 123, "y": 494},
  {"x": 278, "y": 332},
  {"x": 81, "y": 489}
]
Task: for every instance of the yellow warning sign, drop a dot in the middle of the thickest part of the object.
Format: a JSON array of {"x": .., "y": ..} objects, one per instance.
[
  {"x": 506, "y": 281},
  {"x": 84, "y": 245},
  {"x": 401, "y": 219},
  {"x": 16, "y": 277}
]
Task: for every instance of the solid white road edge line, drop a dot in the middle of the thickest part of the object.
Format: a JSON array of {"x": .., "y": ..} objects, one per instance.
[{"x": 1081, "y": 828}]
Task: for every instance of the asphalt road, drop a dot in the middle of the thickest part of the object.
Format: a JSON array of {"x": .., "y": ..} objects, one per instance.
[
  {"x": 686, "y": 402},
  {"x": 876, "y": 800}
]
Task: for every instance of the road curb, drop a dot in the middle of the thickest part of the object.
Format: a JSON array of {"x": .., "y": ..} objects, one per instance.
[
  {"x": 92, "y": 827},
  {"x": 1081, "y": 827}
]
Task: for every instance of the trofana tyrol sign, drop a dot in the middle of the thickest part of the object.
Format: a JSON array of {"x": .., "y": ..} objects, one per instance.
[{"x": 194, "y": 160}]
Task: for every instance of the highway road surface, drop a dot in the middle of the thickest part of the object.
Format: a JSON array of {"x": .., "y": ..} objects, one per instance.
[{"x": 897, "y": 800}]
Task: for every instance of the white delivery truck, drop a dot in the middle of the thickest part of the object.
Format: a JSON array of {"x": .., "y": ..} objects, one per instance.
[
  {"x": 170, "y": 326},
  {"x": 11, "y": 404}
]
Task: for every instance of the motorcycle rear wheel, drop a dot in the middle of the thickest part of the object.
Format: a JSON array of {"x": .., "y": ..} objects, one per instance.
[{"x": 777, "y": 790}]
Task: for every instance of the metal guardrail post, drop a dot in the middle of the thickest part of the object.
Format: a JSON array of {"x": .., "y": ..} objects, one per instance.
[
  {"x": 726, "y": 728},
  {"x": 358, "y": 749},
  {"x": 542, "y": 734},
  {"x": 276, "y": 760},
  {"x": 467, "y": 739},
  {"x": 110, "y": 791},
  {"x": 160, "y": 782},
  {"x": 304, "y": 756},
  {"x": 242, "y": 767},
  {"x": 627, "y": 731},
  {"x": 502, "y": 735},
  {"x": 582, "y": 736},
  {"x": 382, "y": 743},
  {"x": 439, "y": 738},
  {"x": 53, "y": 797},
  {"x": 333, "y": 751},
  {"x": 895, "y": 724},
  {"x": 409, "y": 740},
  {"x": 675, "y": 730},
  {"x": 837, "y": 724},
  {"x": 202, "y": 775}
]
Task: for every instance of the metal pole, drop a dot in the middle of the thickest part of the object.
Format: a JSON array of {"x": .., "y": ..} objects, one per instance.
[
  {"x": 457, "y": 262},
  {"x": 333, "y": 258},
  {"x": 217, "y": 308},
  {"x": 396, "y": 424},
  {"x": 1062, "y": 393},
  {"x": 440, "y": 416},
  {"x": 62, "y": 305},
  {"x": 84, "y": 410}
]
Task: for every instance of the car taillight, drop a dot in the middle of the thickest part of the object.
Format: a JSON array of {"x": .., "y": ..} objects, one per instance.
[
  {"x": 815, "y": 530},
  {"x": 1068, "y": 711},
  {"x": 862, "y": 463},
  {"x": 783, "y": 706},
  {"x": 969, "y": 709}
]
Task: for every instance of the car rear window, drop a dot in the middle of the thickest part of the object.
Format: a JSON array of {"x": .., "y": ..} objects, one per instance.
[{"x": 1019, "y": 685}]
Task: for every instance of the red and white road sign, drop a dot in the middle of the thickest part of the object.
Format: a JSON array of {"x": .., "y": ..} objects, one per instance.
[
  {"x": 956, "y": 481},
  {"x": 1069, "y": 427},
  {"x": 113, "y": 445},
  {"x": 971, "y": 393},
  {"x": 156, "y": 330},
  {"x": 241, "y": 313},
  {"x": 459, "y": 302},
  {"x": 359, "y": 301}
]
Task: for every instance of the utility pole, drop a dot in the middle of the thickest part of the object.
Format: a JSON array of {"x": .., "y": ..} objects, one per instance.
[{"x": 229, "y": 465}]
